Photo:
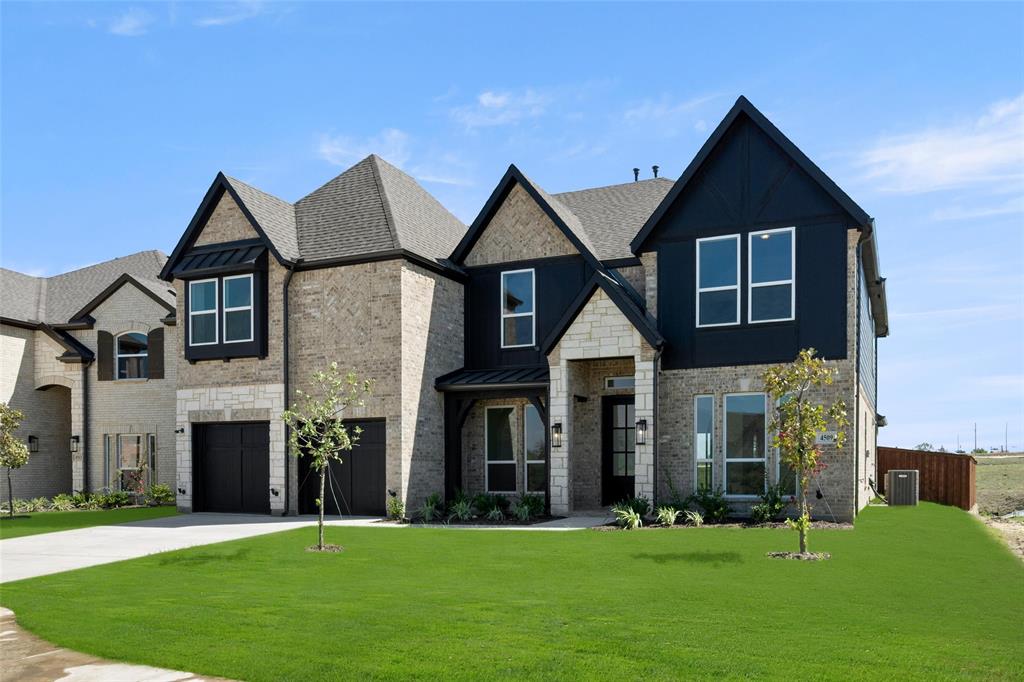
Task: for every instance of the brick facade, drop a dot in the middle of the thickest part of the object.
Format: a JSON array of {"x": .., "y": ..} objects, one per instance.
[{"x": 519, "y": 230}]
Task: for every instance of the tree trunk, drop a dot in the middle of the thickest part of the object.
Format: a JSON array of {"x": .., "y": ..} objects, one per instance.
[
  {"x": 803, "y": 503},
  {"x": 320, "y": 534},
  {"x": 10, "y": 492}
]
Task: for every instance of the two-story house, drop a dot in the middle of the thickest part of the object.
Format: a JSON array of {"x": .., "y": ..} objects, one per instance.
[
  {"x": 88, "y": 357},
  {"x": 585, "y": 346}
]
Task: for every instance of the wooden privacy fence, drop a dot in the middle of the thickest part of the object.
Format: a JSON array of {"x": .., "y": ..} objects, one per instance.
[{"x": 943, "y": 478}]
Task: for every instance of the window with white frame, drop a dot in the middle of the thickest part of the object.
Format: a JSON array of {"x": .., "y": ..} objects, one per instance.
[
  {"x": 620, "y": 382},
  {"x": 500, "y": 455},
  {"x": 745, "y": 430},
  {"x": 772, "y": 290},
  {"x": 785, "y": 475},
  {"x": 132, "y": 356},
  {"x": 517, "y": 309},
  {"x": 130, "y": 461},
  {"x": 718, "y": 281},
  {"x": 238, "y": 318},
  {"x": 704, "y": 439},
  {"x": 534, "y": 439},
  {"x": 202, "y": 312}
]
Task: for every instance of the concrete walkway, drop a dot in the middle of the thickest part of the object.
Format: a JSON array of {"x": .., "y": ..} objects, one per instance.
[{"x": 26, "y": 658}]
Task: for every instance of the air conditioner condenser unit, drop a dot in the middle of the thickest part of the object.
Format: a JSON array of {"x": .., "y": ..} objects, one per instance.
[{"x": 901, "y": 487}]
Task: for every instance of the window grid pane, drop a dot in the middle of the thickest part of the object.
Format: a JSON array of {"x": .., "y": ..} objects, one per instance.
[{"x": 517, "y": 308}]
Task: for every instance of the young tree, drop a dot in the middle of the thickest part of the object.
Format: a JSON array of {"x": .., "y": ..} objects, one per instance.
[
  {"x": 317, "y": 429},
  {"x": 797, "y": 421},
  {"x": 13, "y": 452}
]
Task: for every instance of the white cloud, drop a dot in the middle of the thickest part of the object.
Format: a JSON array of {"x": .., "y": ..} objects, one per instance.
[
  {"x": 390, "y": 144},
  {"x": 986, "y": 150},
  {"x": 700, "y": 126},
  {"x": 233, "y": 14},
  {"x": 134, "y": 22},
  {"x": 665, "y": 109},
  {"x": 494, "y": 108}
]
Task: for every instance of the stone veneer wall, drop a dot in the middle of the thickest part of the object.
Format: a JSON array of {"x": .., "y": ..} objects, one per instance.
[
  {"x": 47, "y": 414},
  {"x": 676, "y": 391},
  {"x": 519, "y": 230}
]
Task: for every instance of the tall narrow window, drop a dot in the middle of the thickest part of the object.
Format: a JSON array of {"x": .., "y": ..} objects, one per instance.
[
  {"x": 132, "y": 356},
  {"x": 500, "y": 453},
  {"x": 517, "y": 309},
  {"x": 151, "y": 449},
  {"x": 746, "y": 431},
  {"x": 130, "y": 461},
  {"x": 202, "y": 312},
  {"x": 718, "y": 281},
  {"x": 534, "y": 433},
  {"x": 238, "y": 309},
  {"x": 704, "y": 435},
  {"x": 772, "y": 292}
]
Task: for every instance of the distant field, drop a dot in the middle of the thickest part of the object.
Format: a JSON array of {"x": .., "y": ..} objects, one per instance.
[{"x": 1000, "y": 484}]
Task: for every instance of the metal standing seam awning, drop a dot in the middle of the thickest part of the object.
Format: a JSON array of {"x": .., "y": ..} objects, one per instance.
[
  {"x": 233, "y": 256},
  {"x": 493, "y": 379}
]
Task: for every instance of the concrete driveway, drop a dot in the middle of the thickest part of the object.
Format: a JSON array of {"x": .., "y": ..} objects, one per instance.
[{"x": 35, "y": 555}]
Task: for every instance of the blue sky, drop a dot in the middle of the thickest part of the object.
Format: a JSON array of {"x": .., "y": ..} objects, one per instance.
[{"x": 116, "y": 117}]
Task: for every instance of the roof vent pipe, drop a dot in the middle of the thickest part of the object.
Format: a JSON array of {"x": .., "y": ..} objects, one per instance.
[
  {"x": 655, "y": 169},
  {"x": 636, "y": 174}
]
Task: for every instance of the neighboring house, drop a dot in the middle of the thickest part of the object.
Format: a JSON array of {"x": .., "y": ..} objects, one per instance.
[
  {"x": 82, "y": 355},
  {"x": 584, "y": 346}
]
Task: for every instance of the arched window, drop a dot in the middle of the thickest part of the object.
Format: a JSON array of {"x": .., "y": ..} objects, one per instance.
[{"x": 132, "y": 356}]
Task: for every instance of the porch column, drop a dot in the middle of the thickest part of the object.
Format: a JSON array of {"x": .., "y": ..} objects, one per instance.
[
  {"x": 644, "y": 368},
  {"x": 78, "y": 429},
  {"x": 558, "y": 413}
]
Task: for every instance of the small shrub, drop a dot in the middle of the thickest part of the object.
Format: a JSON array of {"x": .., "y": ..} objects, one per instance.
[
  {"x": 495, "y": 515},
  {"x": 461, "y": 495},
  {"x": 712, "y": 504},
  {"x": 96, "y": 501},
  {"x": 62, "y": 502},
  {"x": 627, "y": 517},
  {"x": 484, "y": 503},
  {"x": 694, "y": 518},
  {"x": 528, "y": 506},
  {"x": 83, "y": 501},
  {"x": 38, "y": 504},
  {"x": 641, "y": 505},
  {"x": 20, "y": 506},
  {"x": 395, "y": 507},
  {"x": 773, "y": 501},
  {"x": 677, "y": 499},
  {"x": 160, "y": 494},
  {"x": 432, "y": 509},
  {"x": 461, "y": 510},
  {"x": 667, "y": 515}
]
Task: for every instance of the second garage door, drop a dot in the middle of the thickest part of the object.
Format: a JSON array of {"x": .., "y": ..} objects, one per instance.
[
  {"x": 231, "y": 468},
  {"x": 356, "y": 484}
]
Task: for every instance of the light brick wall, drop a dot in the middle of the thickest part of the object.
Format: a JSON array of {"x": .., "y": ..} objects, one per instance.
[
  {"x": 473, "y": 446},
  {"x": 227, "y": 223},
  {"x": 636, "y": 276},
  {"x": 519, "y": 230},
  {"x": 47, "y": 414},
  {"x": 650, "y": 265}
]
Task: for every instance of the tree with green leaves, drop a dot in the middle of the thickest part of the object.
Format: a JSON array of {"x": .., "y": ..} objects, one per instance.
[
  {"x": 798, "y": 420},
  {"x": 317, "y": 427},
  {"x": 13, "y": 451}
]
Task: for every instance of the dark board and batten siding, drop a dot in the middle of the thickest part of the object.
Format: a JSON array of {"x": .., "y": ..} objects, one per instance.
[
  {"x": 748, "y": 183},
  {"x": 557, "y": 282}
]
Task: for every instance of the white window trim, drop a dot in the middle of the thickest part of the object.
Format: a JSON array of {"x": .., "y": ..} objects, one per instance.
[
  {"x": 487, "y": 461},
  {"x": 118, "y": 355},
  {"x": 215, "y": 311},
  {"x": 734, "y": 287},
  {"x": 710, "y": 459},
  {"x": 526, "y": 453},
  {"x": 726, "y": 460},
  {"x": 121, "y": 469},
  {"x": 630, "y": 377},
  {"x": 751, "y": 285},
  {"x": 532, "y": 315},
  {"x": 239, "y": 309}
]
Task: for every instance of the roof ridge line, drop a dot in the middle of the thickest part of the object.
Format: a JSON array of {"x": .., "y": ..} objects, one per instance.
[
  {"x": 616, "y": 184},
  {"x": 389, "y": 218}
]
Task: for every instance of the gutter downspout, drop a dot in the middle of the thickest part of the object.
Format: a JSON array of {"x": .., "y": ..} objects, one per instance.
[{"x": 287, "y": 387}]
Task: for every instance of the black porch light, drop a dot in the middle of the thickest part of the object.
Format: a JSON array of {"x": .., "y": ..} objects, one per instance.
[
  {"x": 641, "y": 431},
  {"x": 74, "y": 443},
  {"x": 33, "y": 444},
  {"x": 556, "y": 435}
]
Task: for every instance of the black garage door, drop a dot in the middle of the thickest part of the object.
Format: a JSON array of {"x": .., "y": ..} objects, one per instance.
[
  {"x": 355, "y": 485},
  {"x": 231, "y": 468}
]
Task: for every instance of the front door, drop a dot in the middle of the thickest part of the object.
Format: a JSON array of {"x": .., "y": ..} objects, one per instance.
[{"x": 618, "y": 445}]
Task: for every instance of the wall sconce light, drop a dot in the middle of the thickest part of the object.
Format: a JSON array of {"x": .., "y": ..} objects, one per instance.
[
  {"x": 74, "y": 443},
  {"x": 274, "y": 492},
  {"x": 556, "y": 435},
  {"x": 33, "y": 444},
  {"x": 641, "y": 431}
]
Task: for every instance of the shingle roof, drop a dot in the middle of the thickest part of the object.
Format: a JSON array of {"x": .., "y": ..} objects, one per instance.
[
  {"x": 56, "y": 299},
  {"x": 275, "y": 216},
  {"x": 611, "y": 216},
  {"x": 373, "y": 207}
]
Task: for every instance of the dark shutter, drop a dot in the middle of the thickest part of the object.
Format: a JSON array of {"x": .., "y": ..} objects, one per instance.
[
  {"x": 105, "y": 356},
  {"x": 156, "y": 353}
]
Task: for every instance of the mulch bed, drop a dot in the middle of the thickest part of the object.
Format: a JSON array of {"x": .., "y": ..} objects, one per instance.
[
  {"x": 328, "y": 549},
  {"x": 800, "y": 556},
  {"x": 478, "y": 521},
  {"x": 818, "y": 525}
]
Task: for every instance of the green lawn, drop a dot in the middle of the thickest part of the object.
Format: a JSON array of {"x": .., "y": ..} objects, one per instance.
[
  {"x": 48, "y": 522},
  {"x": 925, "y": 593}
]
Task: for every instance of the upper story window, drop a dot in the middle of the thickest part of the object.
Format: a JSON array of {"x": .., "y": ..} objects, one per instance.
[
  {"x": 132, "y": 356},
  {"x": 772, "y": 294},
  {"x": 238, "y": 317},
  {"x": 517, "y": 309},
  {"x": 202, "y": 312},
  {"x": 718, "y": 281}
]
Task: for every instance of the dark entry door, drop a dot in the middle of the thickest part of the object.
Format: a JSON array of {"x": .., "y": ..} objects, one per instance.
[
  {"x": 231, "y": 468},
  {"x": 618, "y": 444},
  {"x": 355, "y": 486}
]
